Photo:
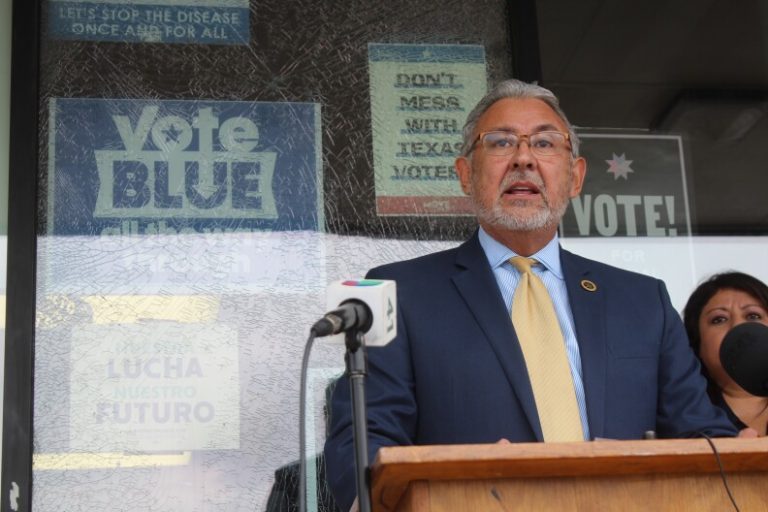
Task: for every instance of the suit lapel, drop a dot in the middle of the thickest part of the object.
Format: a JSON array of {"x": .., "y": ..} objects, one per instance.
[
  {"x": 477, "y": 285},
  {"x": 588, "y": 308}
]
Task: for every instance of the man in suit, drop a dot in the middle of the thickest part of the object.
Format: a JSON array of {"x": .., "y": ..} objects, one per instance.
[{"x": 457, "y": 372}]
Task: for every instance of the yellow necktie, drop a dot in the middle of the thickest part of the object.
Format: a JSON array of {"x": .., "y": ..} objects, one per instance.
[{"x": 537, "y": 328}]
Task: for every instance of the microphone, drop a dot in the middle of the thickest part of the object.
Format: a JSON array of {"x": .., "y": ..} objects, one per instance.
[
  {"x": 353, "y": 314},
  {"x": 368, "y": 305},
  {"x": 744, "y": 356}
]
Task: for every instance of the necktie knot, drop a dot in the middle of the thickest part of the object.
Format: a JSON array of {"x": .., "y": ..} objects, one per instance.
[{"x": 522, "y": 264}]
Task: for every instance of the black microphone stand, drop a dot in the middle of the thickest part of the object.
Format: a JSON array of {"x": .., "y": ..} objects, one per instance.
[{"x": 356, "y": 370}]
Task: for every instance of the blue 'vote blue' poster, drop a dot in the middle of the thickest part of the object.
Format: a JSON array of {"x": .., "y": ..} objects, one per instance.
[{"x": 134, "y": 167}]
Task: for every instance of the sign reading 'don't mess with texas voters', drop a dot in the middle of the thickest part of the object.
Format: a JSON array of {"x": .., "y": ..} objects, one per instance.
[
  {"x": 420, "y": 97},
  {"x": 635, "y": 187}
]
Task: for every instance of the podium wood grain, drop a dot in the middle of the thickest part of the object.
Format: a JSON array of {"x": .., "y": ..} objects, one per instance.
[{"x": 659, "y": 475}]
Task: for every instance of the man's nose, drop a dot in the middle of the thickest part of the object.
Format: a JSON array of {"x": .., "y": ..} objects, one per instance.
[{"x": 523, "y": 156}]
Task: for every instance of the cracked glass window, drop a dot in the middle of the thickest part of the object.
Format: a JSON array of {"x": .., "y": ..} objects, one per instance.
[{"x": 207, "y": 168}]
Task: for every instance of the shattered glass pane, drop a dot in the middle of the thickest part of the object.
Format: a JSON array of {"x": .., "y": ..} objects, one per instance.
[{"x": 198, "y": 191}]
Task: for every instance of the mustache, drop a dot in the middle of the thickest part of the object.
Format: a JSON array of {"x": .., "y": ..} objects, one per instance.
[{"x": 529, "y": 176}]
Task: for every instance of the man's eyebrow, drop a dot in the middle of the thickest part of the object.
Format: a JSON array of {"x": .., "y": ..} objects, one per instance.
[
  {"x": 540, "y": 128},
  {"x": 546, "y": 128}
]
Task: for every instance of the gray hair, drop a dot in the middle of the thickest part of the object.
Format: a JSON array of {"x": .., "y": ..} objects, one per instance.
[{"x": 519, "y": 90}]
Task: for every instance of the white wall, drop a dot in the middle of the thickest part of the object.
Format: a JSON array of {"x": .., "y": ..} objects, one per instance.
[{"x": 682, "y": 263}]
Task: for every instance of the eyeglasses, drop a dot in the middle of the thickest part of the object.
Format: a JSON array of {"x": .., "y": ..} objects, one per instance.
[{"x": 502, "y": 143}]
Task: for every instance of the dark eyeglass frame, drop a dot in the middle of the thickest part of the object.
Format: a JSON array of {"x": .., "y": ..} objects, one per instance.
[{"x": 520, "y": 138}]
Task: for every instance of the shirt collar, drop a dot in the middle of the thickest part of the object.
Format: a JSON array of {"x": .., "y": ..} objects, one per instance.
[{"x": 498, "y": 253}]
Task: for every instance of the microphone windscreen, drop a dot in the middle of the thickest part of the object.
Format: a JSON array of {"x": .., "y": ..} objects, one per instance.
[
  {"x": 744, "y": 356},
  {"x": 379, "y": 295}
]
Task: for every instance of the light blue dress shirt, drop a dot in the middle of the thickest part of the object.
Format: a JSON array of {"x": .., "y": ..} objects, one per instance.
[{"x": 551, "y": 274}]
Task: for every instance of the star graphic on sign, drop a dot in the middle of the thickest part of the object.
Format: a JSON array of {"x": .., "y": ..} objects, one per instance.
[
  {"x": 619, "y": 166},
  {"x": 172, "y": 133}
]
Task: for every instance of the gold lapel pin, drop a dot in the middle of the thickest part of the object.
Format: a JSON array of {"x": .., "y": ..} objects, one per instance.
[{"x": 588, "y": 285}]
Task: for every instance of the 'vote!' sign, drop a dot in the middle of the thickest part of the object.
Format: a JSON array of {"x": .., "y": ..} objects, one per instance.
[{"x": 635, "y": 187}]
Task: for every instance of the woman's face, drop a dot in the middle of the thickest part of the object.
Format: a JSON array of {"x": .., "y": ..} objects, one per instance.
[{"x": 725, "y": 310}]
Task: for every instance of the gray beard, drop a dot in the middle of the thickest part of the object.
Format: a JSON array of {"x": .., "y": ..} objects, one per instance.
[{"x": 543, "y": 218}]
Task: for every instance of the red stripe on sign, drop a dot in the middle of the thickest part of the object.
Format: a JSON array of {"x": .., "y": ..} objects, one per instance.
[{"x": 424, "y": 205}]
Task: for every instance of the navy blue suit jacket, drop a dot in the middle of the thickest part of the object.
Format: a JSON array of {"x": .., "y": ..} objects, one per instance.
[{"x": 455, "y": 372}]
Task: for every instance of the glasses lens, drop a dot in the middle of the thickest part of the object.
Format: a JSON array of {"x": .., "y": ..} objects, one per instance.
[
  {"x": 548, "y": 143},
  {"x": 500, "y": 143}
]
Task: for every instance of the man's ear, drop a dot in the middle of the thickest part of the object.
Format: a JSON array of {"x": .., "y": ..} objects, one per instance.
[
  {"x": 578, "y": 172},
  {"x": 464, "y": 170}
]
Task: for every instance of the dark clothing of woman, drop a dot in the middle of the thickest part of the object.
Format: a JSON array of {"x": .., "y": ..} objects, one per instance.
[{"x": 718, "y": 400}]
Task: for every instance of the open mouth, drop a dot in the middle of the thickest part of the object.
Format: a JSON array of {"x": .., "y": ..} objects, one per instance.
[{"x": 521, "y": 188}]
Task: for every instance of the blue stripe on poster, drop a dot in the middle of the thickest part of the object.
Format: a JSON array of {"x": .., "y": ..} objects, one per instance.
[
  {"x": 426, "y": 53},
  {"x": 127, "y": 22}
]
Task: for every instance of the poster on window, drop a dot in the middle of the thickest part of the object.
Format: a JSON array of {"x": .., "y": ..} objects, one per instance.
[
  {"x": 130, "y": 167},
  {"x": 152, "y": 386},
  {"x": 635, "y": 187},
  {"x": 176, "y": 196},
  {"x": 420, "y": 98},
  {"x": 214, "y": 22}
]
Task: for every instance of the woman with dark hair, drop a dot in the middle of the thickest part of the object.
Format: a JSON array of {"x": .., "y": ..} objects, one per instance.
[{"x": 714, "y": 308}]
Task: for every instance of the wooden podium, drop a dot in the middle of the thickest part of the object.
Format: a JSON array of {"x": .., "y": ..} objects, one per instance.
[{"x": 658, "y": 475}]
